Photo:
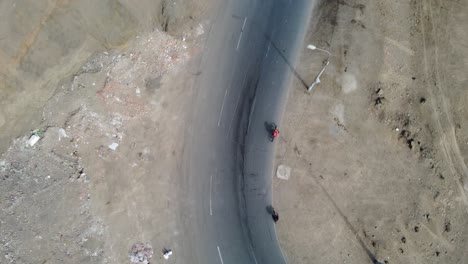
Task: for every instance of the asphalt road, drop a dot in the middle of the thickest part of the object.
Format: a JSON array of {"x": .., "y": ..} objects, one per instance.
[{"x": 228, "y": 156}]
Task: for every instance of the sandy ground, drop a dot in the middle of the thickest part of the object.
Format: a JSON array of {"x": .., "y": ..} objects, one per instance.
[
  {"x": 378, "y": 150},
  {"x": 102, "y": 176}
]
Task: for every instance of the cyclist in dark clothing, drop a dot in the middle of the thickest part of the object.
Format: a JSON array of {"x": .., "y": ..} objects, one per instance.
[{"x": 275, "y": 216}]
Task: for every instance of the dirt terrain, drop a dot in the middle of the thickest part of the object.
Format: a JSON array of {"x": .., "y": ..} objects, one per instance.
[
  {"x": 99, "y": 186},
  {"x": 378, "y": 149}
]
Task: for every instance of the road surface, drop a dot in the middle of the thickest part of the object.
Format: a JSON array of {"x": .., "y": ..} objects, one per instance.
[{"x": 226, "y": 182}]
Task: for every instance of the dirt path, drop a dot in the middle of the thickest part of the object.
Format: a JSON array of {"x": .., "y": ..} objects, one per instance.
[{"x": 378, "y": 151}]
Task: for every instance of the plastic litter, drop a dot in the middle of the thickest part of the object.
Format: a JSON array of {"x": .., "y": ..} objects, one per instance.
[
  {"x": 167, "y": 253},
  {"x": 33, "y": 140},
  {"x": 113, "y": 146}
]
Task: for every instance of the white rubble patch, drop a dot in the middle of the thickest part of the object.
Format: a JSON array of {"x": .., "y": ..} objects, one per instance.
[
  {"x": 141, "y": 253},
  {"x": 283, "y": 172}
]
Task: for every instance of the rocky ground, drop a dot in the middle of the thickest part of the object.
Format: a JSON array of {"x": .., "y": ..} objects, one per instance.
[
  {"x": 99, "y": 186},
  {"x": 378, "y": 149}
]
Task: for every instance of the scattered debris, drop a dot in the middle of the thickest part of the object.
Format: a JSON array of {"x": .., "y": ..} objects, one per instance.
[{"x": 141, "y": 253}]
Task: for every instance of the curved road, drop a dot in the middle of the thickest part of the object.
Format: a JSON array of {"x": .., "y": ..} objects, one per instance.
[{"x": 228, "y": 157}]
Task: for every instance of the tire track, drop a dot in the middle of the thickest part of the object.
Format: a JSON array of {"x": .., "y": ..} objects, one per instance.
[{"x": 445, "y": 124}]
